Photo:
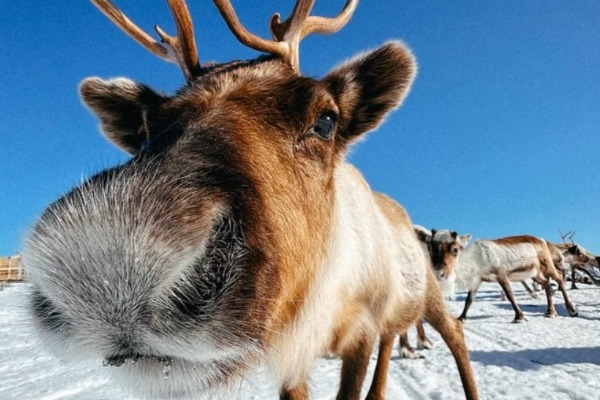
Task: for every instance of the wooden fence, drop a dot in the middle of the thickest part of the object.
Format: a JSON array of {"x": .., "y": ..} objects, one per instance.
[{"x": 10, "y": 269}]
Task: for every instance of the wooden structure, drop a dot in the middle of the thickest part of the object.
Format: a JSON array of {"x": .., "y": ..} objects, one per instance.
[{"x": 10, "y": 269}]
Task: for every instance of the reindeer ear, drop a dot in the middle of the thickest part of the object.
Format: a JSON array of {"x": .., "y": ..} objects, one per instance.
[
  {"x": 122, "y": 106},
  {"x": 423, "y": 234},
  {"x": 367, "y": 87},
  {"x": 464, "y": 240}
]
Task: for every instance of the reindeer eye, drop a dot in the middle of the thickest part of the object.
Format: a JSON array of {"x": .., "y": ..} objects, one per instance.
[{"x": 324, "y": 126}]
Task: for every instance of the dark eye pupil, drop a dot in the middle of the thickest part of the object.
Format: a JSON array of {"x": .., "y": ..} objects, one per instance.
[{"x": 324, "y": 126}]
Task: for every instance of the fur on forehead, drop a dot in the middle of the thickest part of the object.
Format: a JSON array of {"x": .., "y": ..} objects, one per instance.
[
  {"x": 221, "y": 78},
  {"x": 445, "y": 236},
  {"x": 264, "y": 78},
  {"x": 265, "y": 92},
  {"x": 448, "y": 236}
]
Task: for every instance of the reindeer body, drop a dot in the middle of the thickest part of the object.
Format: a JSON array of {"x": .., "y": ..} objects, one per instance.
[
  {"x": 516, "y": 261},
  {"x": 372, "y": 281},
  {"x": 510, "y": 259}
]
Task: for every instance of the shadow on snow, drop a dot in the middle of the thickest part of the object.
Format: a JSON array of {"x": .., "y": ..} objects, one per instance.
[{"x": 524, "y": 360}]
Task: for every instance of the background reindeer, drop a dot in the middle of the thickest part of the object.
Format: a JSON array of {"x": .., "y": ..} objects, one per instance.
[
  {"x": 565, "y": 257},
  {"x": 515, "y": 259},
  {"x": 444, "y": 247},
  {"x": 237, "y": 234}
]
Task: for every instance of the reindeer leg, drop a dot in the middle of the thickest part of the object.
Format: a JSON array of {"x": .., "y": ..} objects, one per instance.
[
  {"x": 573, "y": 273},
  {"x": 468, "y": 302},
  {"x": 405, "y": 349},
  {"x": 354, "y": 368},
  {"x": 377, "y": 389},
  {"x": 544, "y": 280},
  {"x": 529, "y": 290},
  {"x": 561, "y": 285},
  {"x": 299, "y": 392},
  {"x": 505, "y": 284},
  {"x": 423, "y": 341},
  {"x": 551, "y": 312},
  {"x": 451, "y": 331}
]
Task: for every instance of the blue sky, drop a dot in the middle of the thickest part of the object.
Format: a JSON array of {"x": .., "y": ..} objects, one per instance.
[{"x": 499, "y": 135}]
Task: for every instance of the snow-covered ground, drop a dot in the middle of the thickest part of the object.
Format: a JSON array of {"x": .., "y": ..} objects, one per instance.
[{"x": 548, "y": 359}]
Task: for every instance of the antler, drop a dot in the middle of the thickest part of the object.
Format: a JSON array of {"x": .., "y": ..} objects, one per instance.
[
  {"x": 180, "y": 49},
  {"x": 569, "y": 235},
  {"x": 289, "y": 33},
  {"x": 571, "y": 238}
]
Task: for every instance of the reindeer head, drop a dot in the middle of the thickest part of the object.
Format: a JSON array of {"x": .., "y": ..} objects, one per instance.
[
  {"x": 192, "y": 256},
  {"x": 444, "y": 248},
  {"x": 572, "y": 253},
  {"x": 575, "y": 256}
]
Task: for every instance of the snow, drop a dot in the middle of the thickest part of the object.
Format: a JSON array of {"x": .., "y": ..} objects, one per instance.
[{"x": 543, "y": 358}]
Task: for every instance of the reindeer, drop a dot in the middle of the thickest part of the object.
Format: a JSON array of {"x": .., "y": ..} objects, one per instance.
[
  {"x": 444, "y": 247},
  {"x": 515, "y": 259},
  {"x": 577, "y": 259},
  {"x": 237, "y": 234},
  {"x": 563, "y": 257}
]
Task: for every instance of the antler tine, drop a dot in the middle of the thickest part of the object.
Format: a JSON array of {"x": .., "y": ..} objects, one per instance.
[
  {"x": 291, "y": 27},
  {"x": 561, "y": 235},
  {"x": 301, "y": 24},
  {"x": 571, "y": 238},
  {"x": 180, "y": 50},
  {"x": 332, "y": 25},
  {"x": 247, "y": 38},
  {"x": 184, "y": 44},
  {"x": 135, "y": 32}
]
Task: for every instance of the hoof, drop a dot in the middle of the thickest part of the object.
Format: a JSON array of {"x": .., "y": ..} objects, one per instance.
[
  {"x": 550, "y": 314},
  {"x": 574, "y": 313},
  {"x": 519, "y": 320},
  {"x": 462, "y": 319},
  {"x": 426, "y": 344},
  {"x": 409, "y": 354}
]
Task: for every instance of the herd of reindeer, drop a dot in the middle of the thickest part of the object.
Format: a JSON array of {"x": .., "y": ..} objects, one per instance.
[
  {"x": 238, "y": 235},
  {"x": 505, "y": 260}
]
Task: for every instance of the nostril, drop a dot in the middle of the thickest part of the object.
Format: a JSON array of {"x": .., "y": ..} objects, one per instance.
[
  {"x": 117, "y": 361},
  {"x": 120, "y": 358}
]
